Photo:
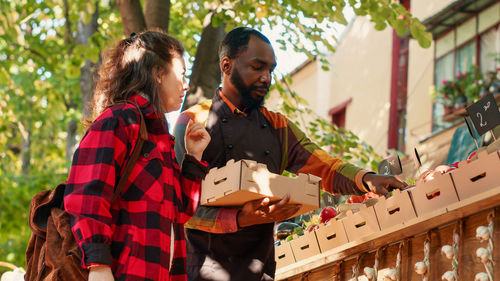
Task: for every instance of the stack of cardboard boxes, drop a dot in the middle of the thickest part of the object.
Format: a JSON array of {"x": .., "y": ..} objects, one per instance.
[{"x": 239, "y": 182}]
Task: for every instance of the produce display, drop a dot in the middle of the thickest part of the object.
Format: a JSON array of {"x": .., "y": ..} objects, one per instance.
[{"x": 436, "y": 192}]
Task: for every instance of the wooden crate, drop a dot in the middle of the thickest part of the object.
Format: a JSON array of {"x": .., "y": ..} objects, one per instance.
[
  {"x": 239, "y": 182},
  {"x": 283, "y": 254},
  {"x": 360, "y": 224},
  {"x": 477, "y": 176},
  {"x": 337, "y": 264},
  {"x": 331, "y": 235},
  {"x": 305, "y": 246},
  {"x": 433, "y": 196},
  {"x": 394, "y": 210}
]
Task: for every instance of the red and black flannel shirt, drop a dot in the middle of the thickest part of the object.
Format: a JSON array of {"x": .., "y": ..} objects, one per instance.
[{"x": 132, "y": 234}]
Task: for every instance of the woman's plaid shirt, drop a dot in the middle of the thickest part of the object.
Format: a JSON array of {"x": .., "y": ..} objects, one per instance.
[{"x": 132, "y": 234}]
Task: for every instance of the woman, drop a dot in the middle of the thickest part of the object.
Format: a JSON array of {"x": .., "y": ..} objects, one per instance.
[{"x": 130, "y": 238}]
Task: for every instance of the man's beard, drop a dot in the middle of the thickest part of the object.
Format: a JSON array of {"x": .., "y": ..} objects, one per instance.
[{"x": 248, "y": 101}]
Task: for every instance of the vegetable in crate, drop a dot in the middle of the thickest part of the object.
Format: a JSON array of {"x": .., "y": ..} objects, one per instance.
[{"x": 286, "y": 229}]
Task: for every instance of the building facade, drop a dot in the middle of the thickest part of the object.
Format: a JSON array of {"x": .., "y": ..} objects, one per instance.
[{"x": 383, "y": 87}]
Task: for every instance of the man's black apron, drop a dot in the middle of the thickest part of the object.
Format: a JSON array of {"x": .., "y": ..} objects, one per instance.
[{"x": 249, "y": 253}]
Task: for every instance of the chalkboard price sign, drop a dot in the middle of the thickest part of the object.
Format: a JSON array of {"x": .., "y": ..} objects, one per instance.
[
  {"x": 484, "y": 114},
  {"x": 390, "y": 166}
]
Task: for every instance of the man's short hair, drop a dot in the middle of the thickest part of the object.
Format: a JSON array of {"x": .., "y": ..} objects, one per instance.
[{"x": 236, "y": 41}]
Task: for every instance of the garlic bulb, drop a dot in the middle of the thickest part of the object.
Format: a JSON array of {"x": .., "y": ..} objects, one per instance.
[
  {"x": 481, "y": 276},
  {"x": 448, "y": 276},
  {"x": 482, "y": 233},
  {"x": 483, "y": 255},
  {"x": 15, "y": 275},
  {"x": 391, "y": 274},
  {"x": 447, "y": 250},
  {"x": 369, "y": 272},
  {"x": 420, "y": 268}
]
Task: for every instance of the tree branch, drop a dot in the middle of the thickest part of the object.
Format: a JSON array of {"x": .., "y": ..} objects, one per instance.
[{"x": 67, "y": 24}]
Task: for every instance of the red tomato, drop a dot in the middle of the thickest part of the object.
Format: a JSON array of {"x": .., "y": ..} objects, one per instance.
[
  {"x": 355, "y": 199},
  {"x": 362, "y": 198}
]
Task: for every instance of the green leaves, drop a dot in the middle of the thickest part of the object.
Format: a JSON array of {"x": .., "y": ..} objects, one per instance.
[
  {"x": 41, "y": 59},
  {"x": 339, "y": 142},
  {"x": 384, "y": 13},
  {"x": 418, "y": 31}
]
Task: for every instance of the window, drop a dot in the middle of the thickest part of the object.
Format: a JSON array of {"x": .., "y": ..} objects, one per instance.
[
  {"x": 472, "y": 42},
  {"x": 338, "y": 113},
  {"x": 489, "y": 51}
]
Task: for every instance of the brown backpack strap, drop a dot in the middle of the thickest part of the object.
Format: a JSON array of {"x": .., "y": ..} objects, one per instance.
[{"x": 143, "y": 135}]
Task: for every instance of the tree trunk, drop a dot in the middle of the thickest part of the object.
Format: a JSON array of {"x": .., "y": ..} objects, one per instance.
[
  {"x": 71, "y": 128},
  {"x": 157, "y": 14},
  {"x": 206, "y": 75},
  {"x": 89, "y": 69},
  {"x": 87, "y": 73},
  {"x": 25, "y": 146},
  {"x": 132, "y": 17}
]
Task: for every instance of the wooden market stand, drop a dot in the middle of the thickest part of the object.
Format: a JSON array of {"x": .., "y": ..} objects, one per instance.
[
  {"x": 463, "y": 218},
  {"x": 422, "y": 238}
]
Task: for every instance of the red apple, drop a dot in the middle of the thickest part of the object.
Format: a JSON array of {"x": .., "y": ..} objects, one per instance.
[{"x": 327, "y": 214}]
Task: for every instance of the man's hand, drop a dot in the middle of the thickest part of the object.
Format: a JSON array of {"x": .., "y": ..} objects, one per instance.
[
  {"x": 196, "y": 139},
  {"x": 261, "y": 211},
  {"x": 101, "y": 273},
  {"x": 382, "y": 184}
]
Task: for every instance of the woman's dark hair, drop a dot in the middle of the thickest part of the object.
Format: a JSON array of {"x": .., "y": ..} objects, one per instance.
[
  {"x": 236, "y": 41},
  {"x": 131, "y": 68}
]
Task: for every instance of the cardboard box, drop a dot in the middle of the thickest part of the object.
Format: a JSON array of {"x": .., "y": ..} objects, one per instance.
[
  {"x": 394, "y": 210},
  {"x": 305, "y": 246},
  {"x": 477, "y": 176},
  {"x": 360, "y": 224},
  {"x": 283, "y": 254},
  {"x": 331, "y": 235},
  {"x": 434, "y": 194},
  {"x": 239, "y": 182}
]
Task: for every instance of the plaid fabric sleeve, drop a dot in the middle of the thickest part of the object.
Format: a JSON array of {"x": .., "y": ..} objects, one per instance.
[
  {"x": 90, "y": 187},
  {"x": 301, "y": 155},
  {"x": 193, "y": 171}
]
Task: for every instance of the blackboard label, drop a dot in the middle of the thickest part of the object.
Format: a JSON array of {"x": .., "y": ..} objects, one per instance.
[
  {"x": 484, "y": 114},
  {"x": 390, "y": 166}
]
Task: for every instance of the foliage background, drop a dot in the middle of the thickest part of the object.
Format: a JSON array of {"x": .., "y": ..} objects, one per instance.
[{"x": 47, "y": 51}]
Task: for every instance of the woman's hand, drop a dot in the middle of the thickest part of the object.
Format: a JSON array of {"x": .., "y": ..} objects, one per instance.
[
  {"x": 196, "y": 139},
  {"x": 101, "y": 273}
]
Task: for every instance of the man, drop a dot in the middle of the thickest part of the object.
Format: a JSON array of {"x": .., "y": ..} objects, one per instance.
[{"x": 237, "y": 244}]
